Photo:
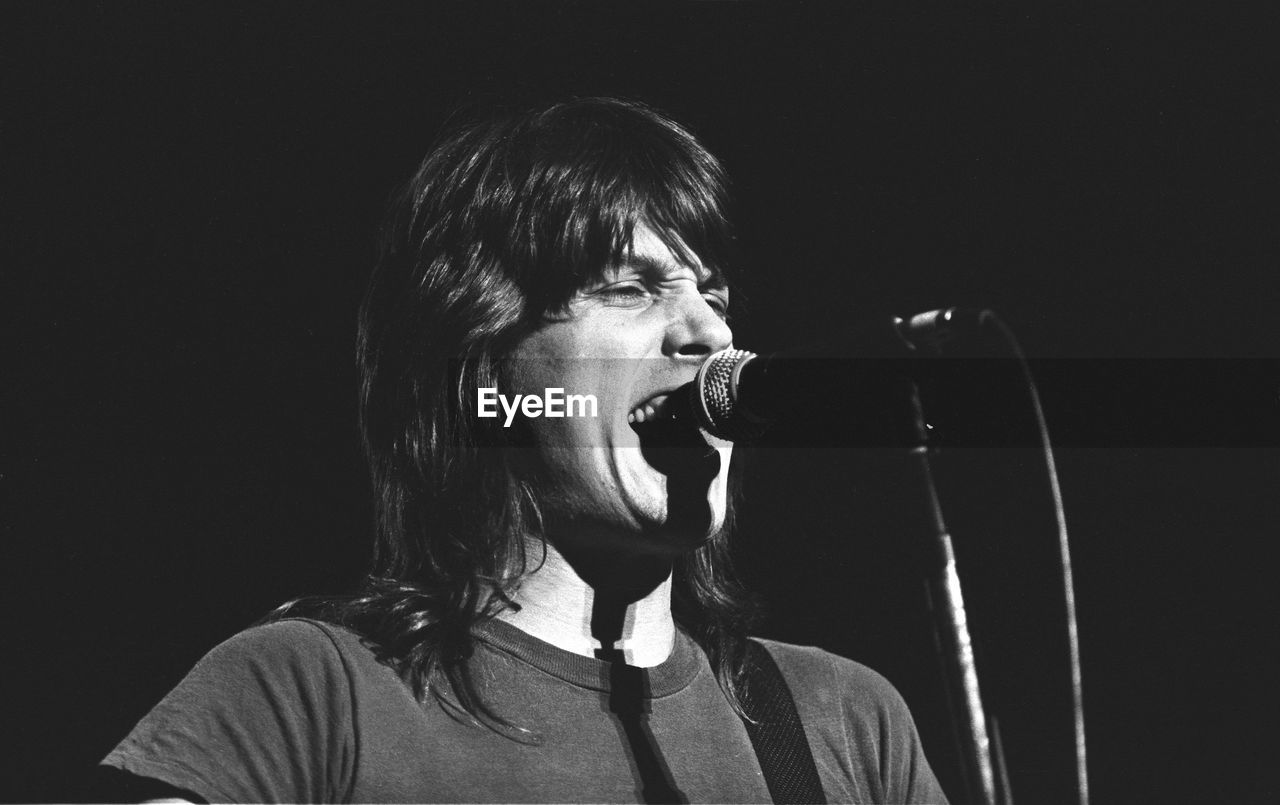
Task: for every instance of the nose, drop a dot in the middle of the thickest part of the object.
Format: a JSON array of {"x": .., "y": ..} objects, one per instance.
[{"x": 696, "y": 330}]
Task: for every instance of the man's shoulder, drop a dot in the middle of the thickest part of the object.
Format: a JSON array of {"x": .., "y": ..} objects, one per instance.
[
  {"x": 302, "y": 642},
  {"x": 812, "y": 671},
  {"x": 286, "y": 634},
  {"x": 859, "y": 727}
]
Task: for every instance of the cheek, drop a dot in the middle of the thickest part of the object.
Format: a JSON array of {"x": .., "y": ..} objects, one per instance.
[
  {"x": 574, "y": 401},
  {"x": 568, "y": 437}
]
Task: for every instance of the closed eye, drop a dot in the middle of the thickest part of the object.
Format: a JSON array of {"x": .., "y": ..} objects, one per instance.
[
  {"x": 624, "y": 292},
  {"x": 719, "y": 302},
  {"x": 638, "y": 290}
]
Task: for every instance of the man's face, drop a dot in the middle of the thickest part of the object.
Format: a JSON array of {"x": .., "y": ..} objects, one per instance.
[{"x": 630, "y": 339}]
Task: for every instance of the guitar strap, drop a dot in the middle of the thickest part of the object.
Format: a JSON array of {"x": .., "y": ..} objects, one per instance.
[{"x": 777, "y": 734}]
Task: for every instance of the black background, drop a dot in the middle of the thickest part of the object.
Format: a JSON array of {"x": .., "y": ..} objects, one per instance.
[{"x": 192, "y": 198}]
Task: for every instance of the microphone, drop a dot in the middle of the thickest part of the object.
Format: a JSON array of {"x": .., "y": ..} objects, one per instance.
[{"x": 736, "y": 393}]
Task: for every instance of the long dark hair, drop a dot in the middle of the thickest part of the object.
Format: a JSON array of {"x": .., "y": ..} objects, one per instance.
[{"x": 503, "y": 222}]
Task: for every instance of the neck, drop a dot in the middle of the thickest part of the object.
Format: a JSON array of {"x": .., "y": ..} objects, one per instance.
[{"x": 610, "y": 608}]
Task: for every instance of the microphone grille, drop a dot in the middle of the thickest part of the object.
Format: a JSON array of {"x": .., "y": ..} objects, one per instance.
[{"x": 716, "y": 393}]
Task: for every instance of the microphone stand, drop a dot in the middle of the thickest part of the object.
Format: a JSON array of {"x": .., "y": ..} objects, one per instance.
[{"x": 953, "y": 629}]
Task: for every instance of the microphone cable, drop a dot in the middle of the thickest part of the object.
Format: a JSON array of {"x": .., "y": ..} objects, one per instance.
[{"x": 1064, "y": 549}]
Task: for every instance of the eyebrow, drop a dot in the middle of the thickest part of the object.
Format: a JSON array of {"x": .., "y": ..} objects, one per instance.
[{"x": 704, "y": 276}]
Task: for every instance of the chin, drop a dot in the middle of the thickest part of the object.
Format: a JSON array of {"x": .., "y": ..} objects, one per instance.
[{"x": 681, "y": 511}]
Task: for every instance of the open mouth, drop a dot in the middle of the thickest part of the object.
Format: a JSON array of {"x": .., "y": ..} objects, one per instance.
[
  {"x": 655, "y": 409},
  {"x": 670, "y": 438}
]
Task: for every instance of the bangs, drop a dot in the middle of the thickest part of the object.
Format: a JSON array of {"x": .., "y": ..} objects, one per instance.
[{"x": 597, "y": 169}]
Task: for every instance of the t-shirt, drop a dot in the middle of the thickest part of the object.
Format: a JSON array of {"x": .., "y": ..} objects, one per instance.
[{"x": 302, "y": 711}]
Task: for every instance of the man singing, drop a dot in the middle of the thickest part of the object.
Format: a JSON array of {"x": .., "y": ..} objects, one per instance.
[{"x": 550, "y": 615}]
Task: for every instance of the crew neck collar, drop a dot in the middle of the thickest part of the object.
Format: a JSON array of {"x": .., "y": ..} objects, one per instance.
[{"x": 671, "y": 676}]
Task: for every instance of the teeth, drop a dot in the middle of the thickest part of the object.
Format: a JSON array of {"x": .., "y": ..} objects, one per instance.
[{"x": 650, "y": 411}]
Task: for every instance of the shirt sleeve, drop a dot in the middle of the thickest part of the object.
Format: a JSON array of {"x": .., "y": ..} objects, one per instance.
[{"x": 264, "y": 717}]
